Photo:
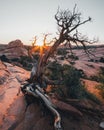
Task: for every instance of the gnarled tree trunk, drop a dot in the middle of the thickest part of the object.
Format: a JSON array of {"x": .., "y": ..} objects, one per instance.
[{"x": 68, "y": 23}]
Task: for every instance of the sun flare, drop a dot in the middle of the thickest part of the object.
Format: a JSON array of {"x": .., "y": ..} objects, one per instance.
[{"x": 39, "y": 44}]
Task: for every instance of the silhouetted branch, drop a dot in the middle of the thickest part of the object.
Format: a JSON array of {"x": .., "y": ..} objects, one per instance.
[
  {"x": 68, "y": 22},
  {"x": 34, "y": 41},
  {"x": 45, "y": 39}
]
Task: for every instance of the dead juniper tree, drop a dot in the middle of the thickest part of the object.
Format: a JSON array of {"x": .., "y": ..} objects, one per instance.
[{"x": 68, "y": 23}]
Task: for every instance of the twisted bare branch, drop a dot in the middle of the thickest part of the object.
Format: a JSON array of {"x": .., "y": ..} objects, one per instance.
[{"x": 68, "y": 22}]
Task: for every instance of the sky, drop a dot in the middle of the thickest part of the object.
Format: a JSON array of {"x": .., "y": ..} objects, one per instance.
[{"x": 24, "y": 19}]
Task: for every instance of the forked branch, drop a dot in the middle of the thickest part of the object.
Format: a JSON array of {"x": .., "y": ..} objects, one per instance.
[{"x": 68, "y": 23}]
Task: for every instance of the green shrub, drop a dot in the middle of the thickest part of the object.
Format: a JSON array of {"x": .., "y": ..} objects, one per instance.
[
  {"x": 101, "y": 88},
  {"x": 61, "y": 58},
  {"x": 15, "y": 60},
  {"x": 102, "y": 59},
  {"x": 56, "y": 70},
  {"x": 71, "y": 86},
  {"x": 94, "y": 78},
  {"x": 36, "y": 56},
  {"x": 26, "y": 62},
  {"x": 101, "y": 75},
  {"x": 91, "y": 60},
  {"x": 4, "y": 58},
  {"x": 74, "y": 57},
  {"x": 71, "y": 80},
  {"x": 62, "y": 51},
  {"x": 101, "y": 80},
  {"x": 25, "y": 58}
]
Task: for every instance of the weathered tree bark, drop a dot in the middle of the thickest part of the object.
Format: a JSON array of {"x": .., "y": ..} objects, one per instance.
[{"x": 39, "y": 93}]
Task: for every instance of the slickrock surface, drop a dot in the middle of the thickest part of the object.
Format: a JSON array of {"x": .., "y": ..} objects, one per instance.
[{"x": 12, "y": 107}]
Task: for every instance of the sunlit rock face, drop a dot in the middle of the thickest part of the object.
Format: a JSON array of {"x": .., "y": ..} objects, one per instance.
[
  {"x": 12, "y": 107},
  {"x": 14, "y": 49},
  {"x": 4, "y": 74},
  {"x": 10, "y": 81}
]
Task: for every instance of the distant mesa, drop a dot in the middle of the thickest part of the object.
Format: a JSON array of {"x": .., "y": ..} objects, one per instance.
[
  {"x": 15, "y": 43},
  {"x": 14, "y": 49}
]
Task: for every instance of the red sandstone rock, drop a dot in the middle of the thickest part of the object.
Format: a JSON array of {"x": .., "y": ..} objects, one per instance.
[
  {"x": 12, "y": 108},
  {"x": 66, "y": 107},
  {"x": 16, "y": 43},
  {"x": 14, "y": 49}
]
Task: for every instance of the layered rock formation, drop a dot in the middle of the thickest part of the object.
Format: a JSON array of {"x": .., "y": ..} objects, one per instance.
[{"x": 14, "y": 49}]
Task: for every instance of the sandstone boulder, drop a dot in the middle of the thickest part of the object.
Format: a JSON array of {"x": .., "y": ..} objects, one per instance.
[
  {"x": 14, "y": 49},
  {"x": 15, "y": 43}
]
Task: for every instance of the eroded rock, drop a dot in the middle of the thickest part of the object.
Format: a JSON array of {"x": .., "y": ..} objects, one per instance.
[
  {"x": 14, "y": 49},
  {"x": 8, "y": 91}
]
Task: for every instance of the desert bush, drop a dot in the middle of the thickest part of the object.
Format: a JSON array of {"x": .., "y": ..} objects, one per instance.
[
  {"x": 56, "y": 70},
  {"x": 74, "y": 57},
  {"x": 82, "y": 74},
  {"x": 72, "y": 62},
  {"x": 15, "y": 60},
  {"x": 101, "y": 59},
  {"x": 91, "y": 60},
  {"x": 101, "y": 75},
  {"x": 74, "y": 87},
  {"x": 26, "y": 62},
  {"x": 61, "y": 51},
  {"x": 61, "y": 58},
  {"x": 101, "y": 89},
  {"x": 101, "y": 80},
  {"x": 4, "y": 58},
  {"x": 71, "y": 80},
  {"x": 25, "y": 58},
  {"x": 71, "y": 86},
  {"x": 94, "y": 78}
]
